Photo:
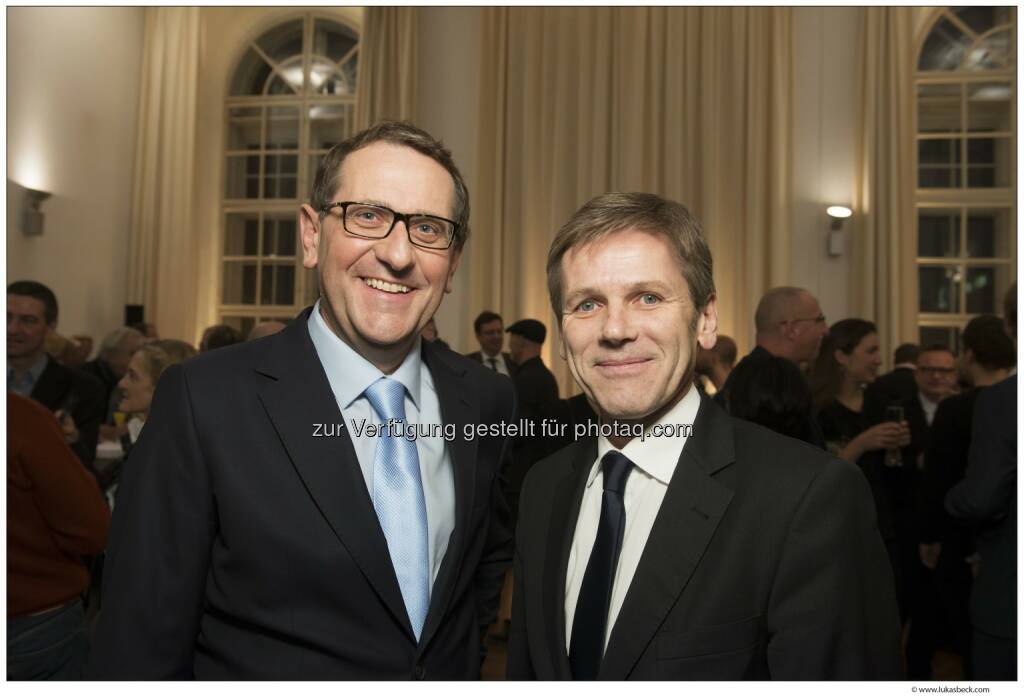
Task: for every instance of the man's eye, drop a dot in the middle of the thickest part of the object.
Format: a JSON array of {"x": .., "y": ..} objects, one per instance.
[
  {"x": 649, "y": 299},
  {"x": 586, "y": 306}
]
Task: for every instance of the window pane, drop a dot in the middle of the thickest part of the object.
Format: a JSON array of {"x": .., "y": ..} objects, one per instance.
[
  {"x": 332, "y": 40},
  {"x": 282, "y": 42},
  {"x": 244, "y": 129},
  {"x": 282, "y": 128},
  {"x": 988, "y": 162},
  {"x": 279, "y": 235},
  {"x": 241, "y": 235},
  {"x": 938, "y": 162},
  {"x": 992, "y": 54},
  {"x": 981, "y": 19},
  {"x": 938, "y": 108},
  {"x": 280, "y": 178},
  {"x": 980, "y": 290},
  {"x": 243, "y": 177},
  {"x": 938, "y": 233},
  {"x": 251, "y": 75},
  {"x": 988, "y": 107},
  {"x": 946, "y": 336},
  {"x": 328, "y": 125},
  {"x": 939, "y": 288},
  {"x": 989, "y": 233},
  {"x": 278, "y": 285},
  {"x": 239, "y": 283},
  {"x": 944, "y": 48}
]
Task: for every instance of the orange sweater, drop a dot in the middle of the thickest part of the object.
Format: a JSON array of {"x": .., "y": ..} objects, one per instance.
[{"x": 55, "y": 512}]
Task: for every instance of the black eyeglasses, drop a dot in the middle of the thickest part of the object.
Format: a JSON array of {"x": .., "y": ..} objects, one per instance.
[{"x": 375, "y": 222}]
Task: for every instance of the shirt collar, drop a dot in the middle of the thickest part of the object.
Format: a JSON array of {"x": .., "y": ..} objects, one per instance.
[
  {"x": 655, "y": 456},
  {"x": 34, "y": 372},
  {"x": 349, "y": 372}
]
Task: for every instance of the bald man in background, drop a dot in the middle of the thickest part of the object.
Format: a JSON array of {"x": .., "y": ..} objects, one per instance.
[{"x": 790, "y": 324}]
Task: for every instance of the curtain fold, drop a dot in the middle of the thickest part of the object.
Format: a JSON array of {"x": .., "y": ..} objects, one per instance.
[
  {"x": 386, "y": 85},
  {"x": 690, "y": 103},
  {"x": 884, "y": 247},
  {"x": 163, "y": 241}
]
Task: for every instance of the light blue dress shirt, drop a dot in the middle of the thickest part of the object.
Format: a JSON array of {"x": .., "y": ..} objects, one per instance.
[
  {"x": 349, "y": 373},
  {"x": 26, "y": 384}
]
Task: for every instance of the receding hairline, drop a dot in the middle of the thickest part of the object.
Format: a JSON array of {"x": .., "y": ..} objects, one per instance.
[{"x": 771, "y": 309}]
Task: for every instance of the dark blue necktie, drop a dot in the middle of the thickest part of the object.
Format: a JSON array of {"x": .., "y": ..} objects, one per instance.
[{"x": 590, "y": 622}]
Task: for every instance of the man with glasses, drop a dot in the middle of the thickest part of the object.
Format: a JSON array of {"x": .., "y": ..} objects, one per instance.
[
  {"x": 305, "y": 505},
  {"x": 790, "y": 324}
]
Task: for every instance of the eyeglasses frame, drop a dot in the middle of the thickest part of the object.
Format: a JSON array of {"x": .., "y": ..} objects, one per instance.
[{"x": 398, "y": 216}]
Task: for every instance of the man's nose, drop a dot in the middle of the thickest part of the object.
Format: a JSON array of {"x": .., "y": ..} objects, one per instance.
[{"x": 396, "y": 251}]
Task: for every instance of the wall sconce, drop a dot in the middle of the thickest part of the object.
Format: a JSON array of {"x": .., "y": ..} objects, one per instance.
[
  {"x": 31, "y": 215},
  {"x": 835, "y": 237}
]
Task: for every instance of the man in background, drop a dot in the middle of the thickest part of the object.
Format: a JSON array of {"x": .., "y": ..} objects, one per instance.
[
  {"x": 716, "y": 364},
  {"x": 987, "y": 496},
  {"x": 490, "y": 335},
  {"x": 536, "y": 401},
  {"x": 790, "y": 325},
  {"x": 73, "y": 396}
]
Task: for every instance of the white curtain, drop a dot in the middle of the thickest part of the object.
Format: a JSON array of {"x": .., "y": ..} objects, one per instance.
[
  {"x": 690, "y": 103},
  {"x": 386, "y": 86},
  {"x": 163, "y": 240},
  {"x": 883, "y": 251}
]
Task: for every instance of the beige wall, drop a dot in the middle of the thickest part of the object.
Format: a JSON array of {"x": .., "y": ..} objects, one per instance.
[
  {"x": 825, "y": 106},
  {"x": 72, "y": 98}
]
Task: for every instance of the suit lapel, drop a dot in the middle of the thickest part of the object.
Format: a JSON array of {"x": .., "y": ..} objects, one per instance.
[
  {"x": 565, "y": 510},
  {"x": 689, "y": 515},
  {"x": 299, "y": 399},
  {"x": 460, "y": 405}
]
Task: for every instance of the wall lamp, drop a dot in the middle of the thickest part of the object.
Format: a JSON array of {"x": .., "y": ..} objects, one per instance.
[
  {"x": 837, "y": 214},
  {"x": 32, "y": 215}
]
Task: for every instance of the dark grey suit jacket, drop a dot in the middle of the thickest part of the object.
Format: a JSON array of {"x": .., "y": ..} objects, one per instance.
[
  {"x": 242, "y": 547},
  {"x": 479, "y": 357},
  {"x": 764, "y": 562}
]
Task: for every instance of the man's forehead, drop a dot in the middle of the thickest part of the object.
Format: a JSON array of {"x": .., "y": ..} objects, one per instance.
[{"x": 25, "y": 304}]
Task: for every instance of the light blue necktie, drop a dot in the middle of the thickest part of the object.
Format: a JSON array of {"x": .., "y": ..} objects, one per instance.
[{"x": 398, "y": 500}]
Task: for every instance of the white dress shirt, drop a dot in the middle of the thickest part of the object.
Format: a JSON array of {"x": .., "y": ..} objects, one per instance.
[
  {"x": 655, "y": 460},
  {"x": 929, "y": 408},
  {"x": 499, "y": 363},
  {"x": 349, "y": 374}
]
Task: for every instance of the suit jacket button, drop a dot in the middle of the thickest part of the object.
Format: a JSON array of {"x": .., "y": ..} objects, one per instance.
[{"x": 419, "y": 673}]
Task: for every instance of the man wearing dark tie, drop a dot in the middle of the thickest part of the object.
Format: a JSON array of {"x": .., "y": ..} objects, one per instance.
[
  {"x": 678, "y": 543},
  {"x": 309, "y": 505},
  {"x": 490, "y": 333}
]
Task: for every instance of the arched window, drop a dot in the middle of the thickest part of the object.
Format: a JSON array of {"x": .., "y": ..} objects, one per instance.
[
  {"x": 966, "y": 168},
  {"x": 291, "y": 97}
]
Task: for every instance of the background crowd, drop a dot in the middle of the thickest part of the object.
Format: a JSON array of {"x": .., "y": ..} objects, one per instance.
[{"x": 931, "y": 436}]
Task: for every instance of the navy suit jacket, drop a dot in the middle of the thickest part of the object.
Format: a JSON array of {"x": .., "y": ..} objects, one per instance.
[{"x": 242, "y": 547}]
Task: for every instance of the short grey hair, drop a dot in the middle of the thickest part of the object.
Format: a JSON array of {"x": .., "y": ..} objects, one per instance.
[{"x": 775, "y": 306}]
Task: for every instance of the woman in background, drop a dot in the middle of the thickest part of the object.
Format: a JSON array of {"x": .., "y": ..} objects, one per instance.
[
  {"x": 847, "y": 362},
  {"x": 144, "y": 370}
]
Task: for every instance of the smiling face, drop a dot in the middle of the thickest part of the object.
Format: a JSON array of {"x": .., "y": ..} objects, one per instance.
[
  {"x": 863, "y": 362},
  {"x": 137, "y": 386},
  {"x": 26, "y": 327},
  {"x": 377, "y": 295},
  {"x": 628, "y": 328}
]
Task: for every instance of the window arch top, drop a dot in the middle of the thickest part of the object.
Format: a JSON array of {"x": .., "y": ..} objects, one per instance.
[
  {"x": 969, "y": 39},
  {"x": 299, "y": 58}
]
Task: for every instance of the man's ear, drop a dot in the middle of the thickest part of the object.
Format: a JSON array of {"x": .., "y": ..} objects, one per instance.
[
  {"x": 707, "y": 324},
  {"x": 310, "y": 226},
  {"x": 456, "y": 257}
]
